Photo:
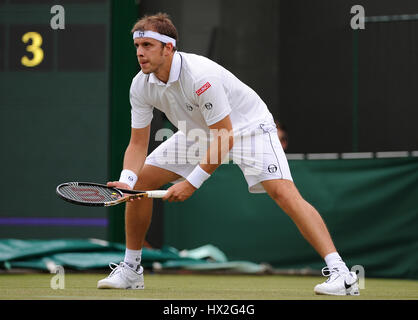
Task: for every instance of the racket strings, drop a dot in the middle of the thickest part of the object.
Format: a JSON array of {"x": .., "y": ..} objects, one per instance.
[{"x": 89, "y": 194}]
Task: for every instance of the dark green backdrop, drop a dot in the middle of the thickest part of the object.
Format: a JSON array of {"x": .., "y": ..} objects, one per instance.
[
  {"x": 123, "y": 68},
  {"x": 53, "y": 117}
]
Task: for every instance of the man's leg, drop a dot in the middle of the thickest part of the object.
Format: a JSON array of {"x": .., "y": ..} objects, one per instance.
[
  {"x": 138, "y": 213},
  {"x": 310, "y": 224},
  {"x": 129, "y": 273},
  {"x": 304, "y": 215}
]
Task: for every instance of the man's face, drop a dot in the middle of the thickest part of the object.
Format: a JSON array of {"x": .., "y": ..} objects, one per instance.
[{"x": 151, "y": 54}]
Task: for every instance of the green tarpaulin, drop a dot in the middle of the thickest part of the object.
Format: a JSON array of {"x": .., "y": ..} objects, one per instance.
[{"x": 85, "y": 254}]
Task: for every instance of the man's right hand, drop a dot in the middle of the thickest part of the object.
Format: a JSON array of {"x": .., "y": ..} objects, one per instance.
[{"x": 119, "y": 185}]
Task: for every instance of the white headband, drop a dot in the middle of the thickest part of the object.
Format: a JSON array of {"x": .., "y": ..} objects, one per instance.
[{"x": 154, "y": 35}]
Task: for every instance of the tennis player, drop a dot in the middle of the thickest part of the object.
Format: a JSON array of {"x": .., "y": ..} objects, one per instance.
[{"x": 219, "y": 118}]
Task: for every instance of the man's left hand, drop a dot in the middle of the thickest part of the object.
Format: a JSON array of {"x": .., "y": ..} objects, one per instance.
[{"x": 179, "y": 192}]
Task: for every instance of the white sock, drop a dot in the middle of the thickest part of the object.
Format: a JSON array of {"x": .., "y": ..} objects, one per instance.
[
  {"x": 133, "y": 258},
  {"x": 333, "y": 260}
]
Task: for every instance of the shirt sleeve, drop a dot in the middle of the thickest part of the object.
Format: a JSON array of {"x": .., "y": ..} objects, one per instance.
[
  {"x": 212, "y": 99},
  {"x": 141, "y": 112}
]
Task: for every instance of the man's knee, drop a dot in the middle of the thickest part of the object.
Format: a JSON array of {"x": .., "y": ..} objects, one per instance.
[
  {"x": 147, "y": 183},
  {"x": 282, "y": 191},
  {"x": 153, "y": 178}
]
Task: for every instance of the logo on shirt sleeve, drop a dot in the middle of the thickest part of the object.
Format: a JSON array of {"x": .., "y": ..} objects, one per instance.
[{"x": 205, "y": 87}]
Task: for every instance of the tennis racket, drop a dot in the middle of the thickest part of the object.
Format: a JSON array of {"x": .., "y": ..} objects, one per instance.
[{"x": 100, "y": 195}]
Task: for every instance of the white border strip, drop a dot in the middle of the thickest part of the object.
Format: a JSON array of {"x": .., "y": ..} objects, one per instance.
[
  {"x": 351, "y": 155},
  {"x": 392, "y": 154},
  {"x": 357, "y": 155},
  {"x": 322, "y": 156},
  {"x": 398, "y": 17},
  {"x": 295, "y": 156}
]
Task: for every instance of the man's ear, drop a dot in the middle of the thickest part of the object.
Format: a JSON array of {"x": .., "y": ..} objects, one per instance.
[{"x": 169, "y": 46}]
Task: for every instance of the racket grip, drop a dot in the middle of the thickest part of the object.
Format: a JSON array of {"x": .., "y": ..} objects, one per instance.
[{"x": 156, "y": 193}]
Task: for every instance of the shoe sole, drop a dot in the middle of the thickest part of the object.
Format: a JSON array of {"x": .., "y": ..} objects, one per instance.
[
  {"x": 109, "y": 286},
  {"x": 330, "y": 294},
  {"x": 347, "y": 293}
]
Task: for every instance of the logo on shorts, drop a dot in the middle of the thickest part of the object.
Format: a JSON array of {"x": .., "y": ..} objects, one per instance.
[
  {"x": 208, "y": 105},
  {"x": 272, "y": 168},
  {"x": 189, "y": 107},
  {"x": 205, "y": 87}
]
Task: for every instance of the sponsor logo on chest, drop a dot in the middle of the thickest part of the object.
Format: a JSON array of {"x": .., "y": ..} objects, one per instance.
[{"x": 205, "y": 87}]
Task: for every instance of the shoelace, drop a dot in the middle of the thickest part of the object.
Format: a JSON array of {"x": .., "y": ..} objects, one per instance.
[
  {"x": 327, "y": 272},
  {"x": 118, "y": 267},
  {"x": 115, "y": 267}
]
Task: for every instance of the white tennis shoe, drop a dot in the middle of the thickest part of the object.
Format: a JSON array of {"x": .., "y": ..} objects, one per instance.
[
  {"x": 339, "y": 283},
  {"x": 122, "y": 277}
]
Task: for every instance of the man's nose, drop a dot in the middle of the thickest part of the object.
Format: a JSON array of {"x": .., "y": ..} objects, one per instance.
[{"x": 139, "y": 52}]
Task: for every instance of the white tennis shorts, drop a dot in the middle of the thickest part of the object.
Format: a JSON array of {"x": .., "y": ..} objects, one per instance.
[{"x": 257, "y": 151}]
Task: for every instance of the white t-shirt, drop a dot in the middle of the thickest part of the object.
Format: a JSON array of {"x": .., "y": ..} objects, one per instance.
[{"x": 199, "y": 93}]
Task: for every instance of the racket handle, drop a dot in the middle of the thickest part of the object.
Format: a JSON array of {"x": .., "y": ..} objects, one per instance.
[{"x": 156, "y": 193}]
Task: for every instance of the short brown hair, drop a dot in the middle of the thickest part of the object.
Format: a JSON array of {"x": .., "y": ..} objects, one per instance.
[{"x": 159, "y": 22}]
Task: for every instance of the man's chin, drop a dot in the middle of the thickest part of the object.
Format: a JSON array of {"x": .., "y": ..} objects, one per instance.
[{"x": 145, "y": 68}]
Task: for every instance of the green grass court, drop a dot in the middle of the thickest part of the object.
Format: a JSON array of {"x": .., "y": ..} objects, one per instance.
[{"x": 82, "y": 286}]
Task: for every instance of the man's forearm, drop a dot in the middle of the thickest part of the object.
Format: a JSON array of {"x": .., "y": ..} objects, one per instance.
[
  {"x": 218, "y": 149},
  {"x": 134, "y": 158},
  {"x": 137, "y": 150}
]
